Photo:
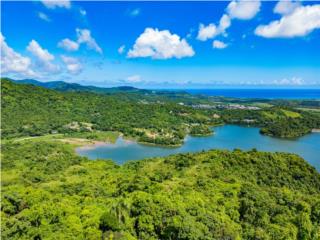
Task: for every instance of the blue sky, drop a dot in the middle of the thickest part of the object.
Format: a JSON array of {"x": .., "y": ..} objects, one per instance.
[{"x": 163, "y": 44}]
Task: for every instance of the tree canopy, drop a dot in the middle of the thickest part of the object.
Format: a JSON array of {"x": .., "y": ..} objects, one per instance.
[{"x": 50, "y": 193}]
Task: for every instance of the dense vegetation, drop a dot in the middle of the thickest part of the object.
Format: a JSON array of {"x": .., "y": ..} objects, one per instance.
[
  {"x": 157, "y": 118},
  {"x": 286, "y": 129},
  {"x": 31, "y": 111},
  {"x": 200, "y": 130},
  {"x": 280, "y": 122},
  {"x": 50, "y": 193}
]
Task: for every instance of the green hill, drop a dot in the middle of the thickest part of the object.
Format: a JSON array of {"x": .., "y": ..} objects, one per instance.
[
  {"x": 29, "y": 110},
  {"x": 50, "y": 193},
  {"x": 158, "y": 118},
  {"x": 75, "y": 87}
]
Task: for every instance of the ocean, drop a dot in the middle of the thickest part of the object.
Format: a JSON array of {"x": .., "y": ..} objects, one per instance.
[{"x": 260, "y": 93}]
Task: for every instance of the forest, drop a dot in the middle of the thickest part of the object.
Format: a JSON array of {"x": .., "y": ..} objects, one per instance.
[
  {"x": 156, "y": 118},
  {"x": 48, "y": 192}
]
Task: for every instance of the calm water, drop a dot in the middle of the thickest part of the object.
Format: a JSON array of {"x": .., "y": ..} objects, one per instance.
[
  {"x": 225, "y": 137},
  {"x": 260, "y": 93}
]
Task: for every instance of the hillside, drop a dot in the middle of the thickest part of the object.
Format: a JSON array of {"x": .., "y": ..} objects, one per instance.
[
  {"x": 75, "y": 87},
  {"x": 50, "y": 193},
  {"x": 29, "y": 110}
]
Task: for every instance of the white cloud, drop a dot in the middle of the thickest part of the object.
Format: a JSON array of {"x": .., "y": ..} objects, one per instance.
[
  {"x": 207, "y": 32},
  {"x": 44, "y": 17},
  {"x": 73, "y": 65},
  {"x": 219, "y": 44},
  {"x": 211, "y": 31},
  {"x": 243, "y": 9},
  {"x": 68, "y": 45},
  {"x": 284, "y": 7},
  {"x": 121, "y": 49},
  {"x": 43, "y": 56},
  {"x": 134, "y": 79},
  {"x": 39, "y": 52},
  {"x": 300, "y": 22},
  {"x": 224, "y": 23},
  {"x": 13, "y": 62},
  {"x": 240, "y": 9},
  {"x": 290, "y": 81},
  {"x": 84, "y": 36},
  {"x": 52, "y": 4},
  {"x": 160, "y": 45}
]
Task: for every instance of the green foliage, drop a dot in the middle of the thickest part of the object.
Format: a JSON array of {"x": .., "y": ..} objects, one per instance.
[
  {"x": 28, "y": 110},
  {"x": 280, "y": 122},
  {"x": 286, "y": 129},
  {"x": 149, "y": 117},
  {"x": 50, "y": 193},
  {"x": 108, "y": 222},
  {"x": 200, "y": 130},
  {"x": 94, "y": 135}
]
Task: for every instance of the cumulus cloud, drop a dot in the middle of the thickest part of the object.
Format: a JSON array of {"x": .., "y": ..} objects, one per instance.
[
  {"x": 160, "y": 45},
  {"x": 224, "y": 23},
  {"x": 52, "y": 4},
  {"x": 300, "y": 22},
  {"x": 68, "y": 45},
  {"x": 73, "y": 65},
  {"x": 84, "y": 36},
  {"x": 207, "y": 32},
  {"x": 39, "y": 52},
  {"x": 13, "y": 62},
  {"x": 133, "y": 79},
  {"x": 237, "y": 9},
  {"x": 44, "y": 17},
  {"x": 43, "y": 56},
  {"x": 211, "y": 31},
  {"x": 219, "y": 44},
  {"x": 121, "y": 49},
  {"x": 284, "y": 7},
  {"x": 243, "y": 9}
]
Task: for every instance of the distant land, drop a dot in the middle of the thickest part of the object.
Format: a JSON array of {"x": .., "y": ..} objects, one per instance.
[
  {"x": 64, "y": 86},
  {"x": 267, "y": 93},
  {"x": 236, "y": 92}
]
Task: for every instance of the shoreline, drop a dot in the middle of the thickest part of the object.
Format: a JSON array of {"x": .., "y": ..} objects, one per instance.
[
  {"x": 93, "y": 143},
  {"x": 315, "y": 130}
]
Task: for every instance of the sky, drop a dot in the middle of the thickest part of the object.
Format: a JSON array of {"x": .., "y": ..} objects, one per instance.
[{"x": 163, "y": 44}]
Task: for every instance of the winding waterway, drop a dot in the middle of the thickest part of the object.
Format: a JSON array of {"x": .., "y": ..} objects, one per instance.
[{"x": 225, "y": 137}]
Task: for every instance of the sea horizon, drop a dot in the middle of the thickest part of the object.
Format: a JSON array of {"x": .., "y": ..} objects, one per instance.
[{"x": 261, "y": 93}]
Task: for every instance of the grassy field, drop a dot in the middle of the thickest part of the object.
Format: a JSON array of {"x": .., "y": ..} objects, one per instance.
[
  {"x": 102, "y": 136},
  {"x": 291, "y": 113},
  {"x": 76, "y": 138}
]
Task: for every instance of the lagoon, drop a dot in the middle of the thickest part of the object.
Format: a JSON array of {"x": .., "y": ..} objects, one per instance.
[{"x": 225, "y": 137}]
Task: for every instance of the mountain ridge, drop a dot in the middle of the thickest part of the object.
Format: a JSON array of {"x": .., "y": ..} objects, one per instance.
[{"x": 75, "y": 87}]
